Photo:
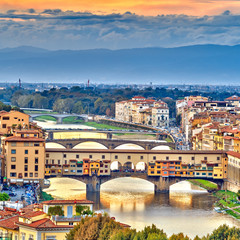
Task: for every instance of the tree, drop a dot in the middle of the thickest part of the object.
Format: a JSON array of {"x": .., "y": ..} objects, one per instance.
[
  {"x": 97, "y": 227},
  {"x": 78, "y": 108},
  {"x": 225, "y": 232},
  {"x": 151, "y": 232},
  {"x": 4, "y": 197},
  {"x": 179, "y": 236}
]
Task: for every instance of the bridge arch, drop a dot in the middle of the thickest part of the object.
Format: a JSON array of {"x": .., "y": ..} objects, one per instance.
[
  {"x": 54, "y": 145},
  {"x": 90, "y": 145},
  {"x": 141, "y": 166},
  {"x": 47, "y": 115},
  {"x": 161, "y": 147},
  {"x": 130, "y": 146},
  {"x": 116, "y": 166}
]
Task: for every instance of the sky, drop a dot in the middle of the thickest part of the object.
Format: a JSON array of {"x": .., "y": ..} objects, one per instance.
[{"x": 117, "y": 24}]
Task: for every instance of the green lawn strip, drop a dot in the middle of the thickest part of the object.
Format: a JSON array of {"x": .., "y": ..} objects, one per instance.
[
  {"x": 168, "y": 139},
  {"x": 102, "y": 126},
  {"x": 204, "y": 184},
  {"x": 72, "y": 119},
  {"x": 232, "y": 213},
  {"x": 45, "y": 118},
  {"x": 45, "y": 196},
  {"x": 237, "y": 210}
]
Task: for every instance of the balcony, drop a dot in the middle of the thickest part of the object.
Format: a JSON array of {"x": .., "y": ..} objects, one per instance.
[{"x": 66, "y": 219}]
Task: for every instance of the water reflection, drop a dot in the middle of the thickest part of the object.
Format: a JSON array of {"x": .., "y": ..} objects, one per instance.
[{"x": 176, "y": 212}]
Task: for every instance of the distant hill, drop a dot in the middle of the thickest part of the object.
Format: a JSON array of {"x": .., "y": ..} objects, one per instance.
[{"x": 199, "y": 64}]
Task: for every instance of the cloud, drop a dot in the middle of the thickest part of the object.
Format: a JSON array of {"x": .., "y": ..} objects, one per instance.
[{"x": 57, "y": 29}]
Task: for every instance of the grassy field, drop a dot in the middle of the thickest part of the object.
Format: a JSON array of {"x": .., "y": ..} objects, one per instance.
[
  {"x": 102, "y": 126},
  {"x": 227, "y": 198},
  {"x": 204, "y": 184},
  {"x": 45, "y": 118},
  {"x": 72, "y": 120}
]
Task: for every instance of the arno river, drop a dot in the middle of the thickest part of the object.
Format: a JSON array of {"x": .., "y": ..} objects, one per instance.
[{"x": 133, "y": 202}]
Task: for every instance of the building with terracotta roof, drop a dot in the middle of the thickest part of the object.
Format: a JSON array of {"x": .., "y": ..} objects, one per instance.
[
  {"x": 24, "y": 159},
  {"x": 144, "y": 111},
  {"x": 233, "y": 181}
]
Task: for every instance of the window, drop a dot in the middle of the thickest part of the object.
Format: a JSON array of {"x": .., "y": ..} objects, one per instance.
[
  {"x": 26, "y": 151},
  {"x": 116, "y": 156},
  {"x": 13, "y": 151},
  {"x": 218, "y": 158},
  {"x": 129, "y": 157},
  {"x": 25, "y": 174},
  {"x": 77, "y": 156},
  {"x": 179, "y": 158},
  {"x": 193, "y": 158},
  {"x": 58, "y": 162},
  {"x": 13, "y": 144},
  {"x": 36, "y": 144},
  {"x": 47, "y": 161},
  {"x": 13, "y": 174},
  {"x": 36, "y": 151},
  {"x": 36, "y": 174},
  {"x": 36, "y": 160},
  {"x": 106, "y": 166},
  {"x": 90, "y": 156},
  {"x": 36, "y": 168},
  {"x": 13, "y": 159},
  {"x": 167, "y": 158},
  {"x": 25, "y": 167},
  {"x": 158, "y": 172},
  {"x": 106, "y": 171},
  {"x": 65, "y": 161},
  {"x": 101, "y": 171},
  {"x": 31, "y": 174},
  {"x": 165, "y": 173},
  {"x": 152, "y": 172},
  {"x": 71, "y": 223},
  {"x": 26, "y": 144},
  {"x": 79, "y": 171},
  {"x": 4, "y": 126},
  {"x": 5, "y": 118},
  {"x": 141, "y": 157},
  {"x": 52, "y": 161},
  {"x": 13, "y": 166},
  {"x": 154, "y": 157},
  {"x": 103, "y": 156},
  {"x": 205, "y": 158},
  {"x": 47, "y": 155}
]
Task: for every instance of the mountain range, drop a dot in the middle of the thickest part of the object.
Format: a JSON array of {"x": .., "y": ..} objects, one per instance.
[{"x": 198, "y": 64}]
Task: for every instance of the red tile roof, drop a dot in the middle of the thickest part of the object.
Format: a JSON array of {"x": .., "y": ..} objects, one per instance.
[
  {"x": 55, "y": 202},
  {"x": 234, "y": 154},
  {"x": 25, "y": 139},
  {"x": 31, "y": 214},
  {"x": 9, "y": 223},
  {"x": 44, "y": 223}
]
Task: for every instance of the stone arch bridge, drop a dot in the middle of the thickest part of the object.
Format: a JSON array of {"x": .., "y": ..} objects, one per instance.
[
  {"x": 161, "y": 184},
  {"x": 111, "y": 143},
  {"x": 58, "y": 117}
]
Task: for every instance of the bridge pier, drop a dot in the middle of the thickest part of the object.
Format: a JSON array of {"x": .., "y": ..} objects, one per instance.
[
  {"x": 93, "y": 184},
  {"x": 59, "y": 120},
  {"x": 162, "y": 184}
]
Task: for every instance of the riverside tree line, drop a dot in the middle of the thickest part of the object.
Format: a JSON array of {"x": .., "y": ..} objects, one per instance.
[
  {"x": 95, "y": 100},
  {"x": 102, "y": 227}
]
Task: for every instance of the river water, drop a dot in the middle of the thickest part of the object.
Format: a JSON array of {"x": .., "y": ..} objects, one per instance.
[{"x": 132, "y": 201}]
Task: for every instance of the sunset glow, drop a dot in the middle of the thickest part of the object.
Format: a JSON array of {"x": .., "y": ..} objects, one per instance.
[{"x": 142, "y": 7}]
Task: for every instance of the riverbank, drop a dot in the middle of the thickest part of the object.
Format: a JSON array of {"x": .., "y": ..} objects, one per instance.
[
  {"x": 228, "y": 202},
  {"x": 209, "y": 186}
]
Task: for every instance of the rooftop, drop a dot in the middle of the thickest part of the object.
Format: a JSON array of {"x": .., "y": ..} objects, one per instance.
[{"x": 55, "y": 202}]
